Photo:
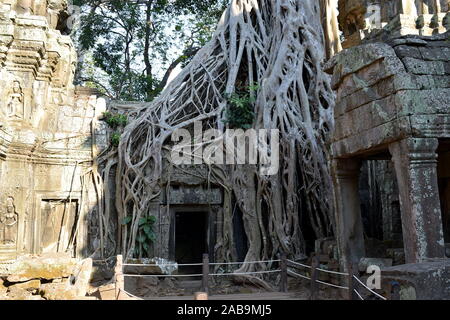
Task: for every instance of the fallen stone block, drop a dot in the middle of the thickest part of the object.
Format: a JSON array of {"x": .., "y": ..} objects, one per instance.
[
  {"x": 58, "y": 291},
  {"x": 152, "y": 266},
  {"x": 82, "y": 277},
  {"x": 31, "y": 285},
  {"x": 107, "y": 292},
  {"x": 47, "y": 266},
  {"x": 15, "y": 293},
  {"x": 418, "y": 281},
  {"x": 3, "y": 289}
]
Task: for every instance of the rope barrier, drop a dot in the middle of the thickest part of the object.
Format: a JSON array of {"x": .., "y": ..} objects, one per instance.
[
  {"x": 161, "y": 265},
  {"x": 331, "y": 285},
  {"x": 373, "y": 292},
  {"x": 289, "y": 271},
  {"x": 130, "y": 294},
  {"x": 299, "y": 275},
  {"x": 243, "y": 273},
  {"x": 357, "y": 293},
  {"x": 299, "y": 264},
  {"x": 333, "y": 272},
  {"x": 162, "y": 275},
  {"x": 244, "y": 262}
]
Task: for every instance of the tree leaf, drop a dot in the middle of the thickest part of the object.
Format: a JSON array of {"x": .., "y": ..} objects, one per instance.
[
  {"x": 142, "y": 221},
  {"x": 126, "y": 220}
]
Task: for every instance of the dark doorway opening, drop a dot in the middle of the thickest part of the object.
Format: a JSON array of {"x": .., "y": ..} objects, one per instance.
[
  {"x": 191, "y": 239},
  {"x": 443, "y": 169}
]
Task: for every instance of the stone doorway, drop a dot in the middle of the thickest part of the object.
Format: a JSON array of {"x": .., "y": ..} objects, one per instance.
[
  {"x": 443, "y": 169},
  {"x": 191, "y": 238}
]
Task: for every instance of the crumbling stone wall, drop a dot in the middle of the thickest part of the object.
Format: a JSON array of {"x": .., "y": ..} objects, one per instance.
[
  {"x": 392, "y": 101},
  {"x": 46, "y": 134},
  {"x": 363, "y": 19}
]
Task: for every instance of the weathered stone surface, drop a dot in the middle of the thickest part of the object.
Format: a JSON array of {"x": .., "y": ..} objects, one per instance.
[
  {"x": 408, "y": 51},
  {"x": 107, "y": 292},
  {"x": 364, "y": 263},
  {"x": 420, "y": 67},
  {"x": 168, "y": 283},
  {"x": 157, "y": 266},
  {"x": 392, "y": 100},
  {"x": 397, "y": 255},
  {"x": 3, "y": 289},
  {"x": 58, "y": 291},
  {"x": 29, "y": 285},
  {"x": 48, "y": 266},
  {"x": 415, "y": 162},
  {"x": 421, "y": 281},
  {"x": 364, "y": 20},
  {"x": 46, "y": 140},
  {"x": 82, "y": 274},
  {"x": 16, "y": 293},
  {"x": 193, "y": 195}
]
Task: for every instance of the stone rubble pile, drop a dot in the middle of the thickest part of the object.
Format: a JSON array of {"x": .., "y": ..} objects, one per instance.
[{"x": 46, "y": 277}]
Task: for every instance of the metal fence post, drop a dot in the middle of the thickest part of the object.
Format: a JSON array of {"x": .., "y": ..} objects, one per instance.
[
  {"x": 205, "y": 273},
  {"x": 284, "y": 275},
  {"x": 314, "y": 278}
]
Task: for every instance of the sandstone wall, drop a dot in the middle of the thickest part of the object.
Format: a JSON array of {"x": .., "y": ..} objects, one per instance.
[{"x": 46, "y": 141}]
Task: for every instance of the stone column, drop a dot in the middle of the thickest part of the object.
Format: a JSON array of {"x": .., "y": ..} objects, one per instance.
[
  {"x": 415, "y": 161},
  {"x": 349, "y": 227}
]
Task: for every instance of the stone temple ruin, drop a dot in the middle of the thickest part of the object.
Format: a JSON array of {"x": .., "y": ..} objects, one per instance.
[
  {"x": 392, "y": 104},
  {"x": 390, "y": 150},
  {"x": 46, "y": 140}
]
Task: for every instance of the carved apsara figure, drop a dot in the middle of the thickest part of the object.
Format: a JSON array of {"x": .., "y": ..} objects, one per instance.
[
  {"x": 15, "y": 108},
  {"x": 9, "y": 221}
]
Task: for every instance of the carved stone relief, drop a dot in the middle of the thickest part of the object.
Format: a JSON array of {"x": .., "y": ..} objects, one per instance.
[
  {"x": 15, "y": 107},
  {"x": 9, "y": 221}
]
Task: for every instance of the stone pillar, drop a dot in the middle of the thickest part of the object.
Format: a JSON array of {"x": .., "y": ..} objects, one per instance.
[
  {"x": 349, "y": 227},
  {"x": 415, "y": 161}
]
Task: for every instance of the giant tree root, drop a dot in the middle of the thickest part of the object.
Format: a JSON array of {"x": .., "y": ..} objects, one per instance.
[{"x": 279, "y": 45}]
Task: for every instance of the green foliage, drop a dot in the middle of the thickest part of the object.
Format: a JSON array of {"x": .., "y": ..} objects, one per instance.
[
  {"x": 115, "y": 120},
  {"x": 146, "y": 230},
  {"x": 240, "y": 112},
  {"x": 127, "y": 220},
  {"x": 146, "y": 235},
  {"x": 132, "y": 43},
  {"x": 115, "y": 139}
]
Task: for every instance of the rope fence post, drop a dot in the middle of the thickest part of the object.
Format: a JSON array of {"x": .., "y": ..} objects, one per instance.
[
  {"x": 284, "y": 274},
  {"x": 314, "y": 278},
  {"x": 120, "y": 280},
  {"x": 200, "y": 296},
  {"x": 205, "y": 274}
]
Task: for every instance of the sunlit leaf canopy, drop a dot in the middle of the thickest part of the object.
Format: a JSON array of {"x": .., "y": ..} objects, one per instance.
[{"x": 129, "y": 49}]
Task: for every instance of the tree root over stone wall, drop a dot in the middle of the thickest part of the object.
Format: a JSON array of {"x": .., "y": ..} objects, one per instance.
[{"x": 279, "y": 45}]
